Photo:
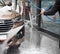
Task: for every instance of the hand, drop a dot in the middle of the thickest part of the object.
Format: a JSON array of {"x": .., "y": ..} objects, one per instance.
[{"x": 42, "y": 11}]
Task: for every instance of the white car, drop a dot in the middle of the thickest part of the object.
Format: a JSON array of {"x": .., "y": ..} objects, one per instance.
[{"x": 11, "y": 27}]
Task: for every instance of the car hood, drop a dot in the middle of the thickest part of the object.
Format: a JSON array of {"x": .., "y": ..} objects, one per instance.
[{"x": 7, "y": 13}]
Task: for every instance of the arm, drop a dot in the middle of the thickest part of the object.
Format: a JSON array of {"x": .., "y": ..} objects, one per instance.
[{"x": 53, "y": 10}]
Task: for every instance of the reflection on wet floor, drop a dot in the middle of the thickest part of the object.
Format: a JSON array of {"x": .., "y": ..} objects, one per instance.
[{"x": 11, "y": 51}]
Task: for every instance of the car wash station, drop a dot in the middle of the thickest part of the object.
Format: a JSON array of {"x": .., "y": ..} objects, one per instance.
[{"x": 24, "y": 30}]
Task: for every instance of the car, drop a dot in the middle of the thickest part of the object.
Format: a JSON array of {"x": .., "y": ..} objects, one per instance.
[{"x": 11, "y": 27}]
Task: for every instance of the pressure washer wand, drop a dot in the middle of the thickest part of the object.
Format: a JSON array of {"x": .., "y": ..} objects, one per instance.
[{"x": 35, "y": 15}]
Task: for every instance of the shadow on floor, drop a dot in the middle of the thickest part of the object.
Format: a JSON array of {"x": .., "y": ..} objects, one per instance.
[{"x": 11, "y": 51}]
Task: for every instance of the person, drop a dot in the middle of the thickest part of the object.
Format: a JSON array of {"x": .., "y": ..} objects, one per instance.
[{"x": 52, "y": 11}]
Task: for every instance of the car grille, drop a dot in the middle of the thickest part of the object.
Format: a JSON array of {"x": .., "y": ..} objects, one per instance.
[{"x": 5, "y": 25}]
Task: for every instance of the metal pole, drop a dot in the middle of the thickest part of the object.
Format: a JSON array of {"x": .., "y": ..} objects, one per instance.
[{"x": 38, "y": 19}]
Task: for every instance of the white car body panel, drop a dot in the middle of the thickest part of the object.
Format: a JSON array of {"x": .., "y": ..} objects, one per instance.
[{"x": 10, "y": 34}]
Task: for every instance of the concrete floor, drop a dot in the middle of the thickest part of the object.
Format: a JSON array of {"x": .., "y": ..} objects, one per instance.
[
  {"x": 41, "y": 44},
  {"x": 35, "y": 43}
]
